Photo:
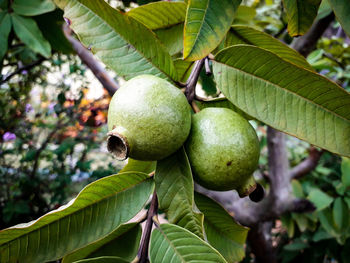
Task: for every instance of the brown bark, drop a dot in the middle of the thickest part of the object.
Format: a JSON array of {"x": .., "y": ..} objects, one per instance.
[
  {"x": 86, "y": 56},
  {"x": 258, "y": 238}
]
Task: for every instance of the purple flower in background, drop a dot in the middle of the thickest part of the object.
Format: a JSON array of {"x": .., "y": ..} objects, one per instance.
[
  {"x": 9, "y": 136},
  {"x": 29, "y": 107},
  {"x": 51, "y": 106}
]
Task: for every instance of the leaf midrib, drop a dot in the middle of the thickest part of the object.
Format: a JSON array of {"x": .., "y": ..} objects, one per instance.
[
  {"x": 171, "y": 244},
  {"x": 221, "y": 232},
  {"x": 200, "y": 28}
]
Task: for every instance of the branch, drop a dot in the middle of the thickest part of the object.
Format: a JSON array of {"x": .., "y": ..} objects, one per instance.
[
  {"x": 142, "y": 254},
  {"x": 85, "y": 55},
  {"x": 21, "y": 69},
  {"x": 307, "y": 43},
  {"x": 307, "y": 165},
  {"x": 260, "y": 243},
  {"x": 192, "y": 80},
  {"x": 208, "y": 71}
]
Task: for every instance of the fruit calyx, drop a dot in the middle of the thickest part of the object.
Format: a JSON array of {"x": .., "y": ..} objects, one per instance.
[{"x": 118, "y": 145}]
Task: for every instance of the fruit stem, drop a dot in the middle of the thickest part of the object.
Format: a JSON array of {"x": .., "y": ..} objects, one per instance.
[
  {"x": 118, "y": 145},
  {"x": 208, "y": 71},
  {"x": 192, "y": 80}
]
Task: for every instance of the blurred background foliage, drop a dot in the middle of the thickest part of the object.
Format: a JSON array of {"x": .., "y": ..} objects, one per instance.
[{"x": 53, "y": 115}]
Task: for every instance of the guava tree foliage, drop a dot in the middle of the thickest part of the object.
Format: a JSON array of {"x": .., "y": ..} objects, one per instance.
[{"x": 259, "y": 77}]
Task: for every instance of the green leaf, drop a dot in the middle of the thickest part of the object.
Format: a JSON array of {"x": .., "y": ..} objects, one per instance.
[
  {"x": 288, "y": 98},
  {"x": 115, "y": 39},
  {"x": 171, "y": 38},
  {"x": 341, "y": 214},
  {"x": 50, "y": 25},
  {"x": 297, "y": 245},
  {"x": 221, "y": 103},
  {"x": 103, "y": 260},
  {"x": 288, "y": 223},
  {"x": 251, "y": 36},
  {"x": 3, "y": 4},
  {"x": 207, "y": 82},
  {"x": 174, "y": 187},
  {"x": 321, "y": 235},
  {"x": 301, "y": 14},
  {"x": 29, "y": 33},
  {"x": 94, "y": 213},
  {"x": 5, "y": 28},
  {"x": 345, "y": 171},
  {"x": 183, "y": 68},
  {"x": 297, "y": 189},
  {"x": 301, "y": 221},
  {"x": 341, "y": 10},
  {"x": 207, "y": 22},
  {"x": 324, "y": 9},
  {"x": 320, "y": 199},
  {"x": 244, "y": 15},
  {"x": 171, "y": 243},
  {"x": 122, "y": 242},
  {"x": 166, "y": 19},
  {"x": 32, "y": 7},
  {"x": 327, "y": 221},
  {"x": 222, "y": 231},
  {"x": 139, "y": 166},
  {"x": 159, "y": 14}
]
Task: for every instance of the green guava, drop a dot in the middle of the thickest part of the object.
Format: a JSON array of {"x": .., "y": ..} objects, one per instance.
[
  {"x": 148, "y": 119},
  {"x": 223, "y": 150}
]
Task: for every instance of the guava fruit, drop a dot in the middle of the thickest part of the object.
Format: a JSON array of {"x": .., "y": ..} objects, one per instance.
[
  {"x": 148, "y": 119},
  {"x": 223, "y": 150}
]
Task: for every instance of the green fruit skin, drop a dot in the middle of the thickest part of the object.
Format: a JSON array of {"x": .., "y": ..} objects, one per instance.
[
  {"x": 152, "y": 114},
  {"x": 223, "y": 150}
]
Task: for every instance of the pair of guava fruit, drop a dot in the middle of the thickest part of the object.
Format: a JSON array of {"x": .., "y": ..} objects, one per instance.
[{"x": 149, "y": 119}]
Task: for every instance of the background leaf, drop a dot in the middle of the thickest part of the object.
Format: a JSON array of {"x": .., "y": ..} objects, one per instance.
[
  {"x": 301, "y": 15},
  {"x": 122, "y": 242},
  {"x": 341, "y": 214},
  {"x": 207, "y": 22},
  {"x": 341, "y": 10},
  {"x": 50, "y": 25},
  {"x": 32, "y": 7},
  {"x": 320, "y": 199},
  {"x": 247, "y": 35},
  {"x": 345, "y": 171},
  {"x": 98, "y": 209},
  {"x": 115, "y": 39},
  {"x": 223, "y": 233},
  {"x": 171, "y": 243},
  {"x": 284, "y": 96},
  {"x": 29, "y": 33},
  {"x": 327, "y": 222},
  {"x": 174, "y": 187},
  {"x": 5, "y": 28}
]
